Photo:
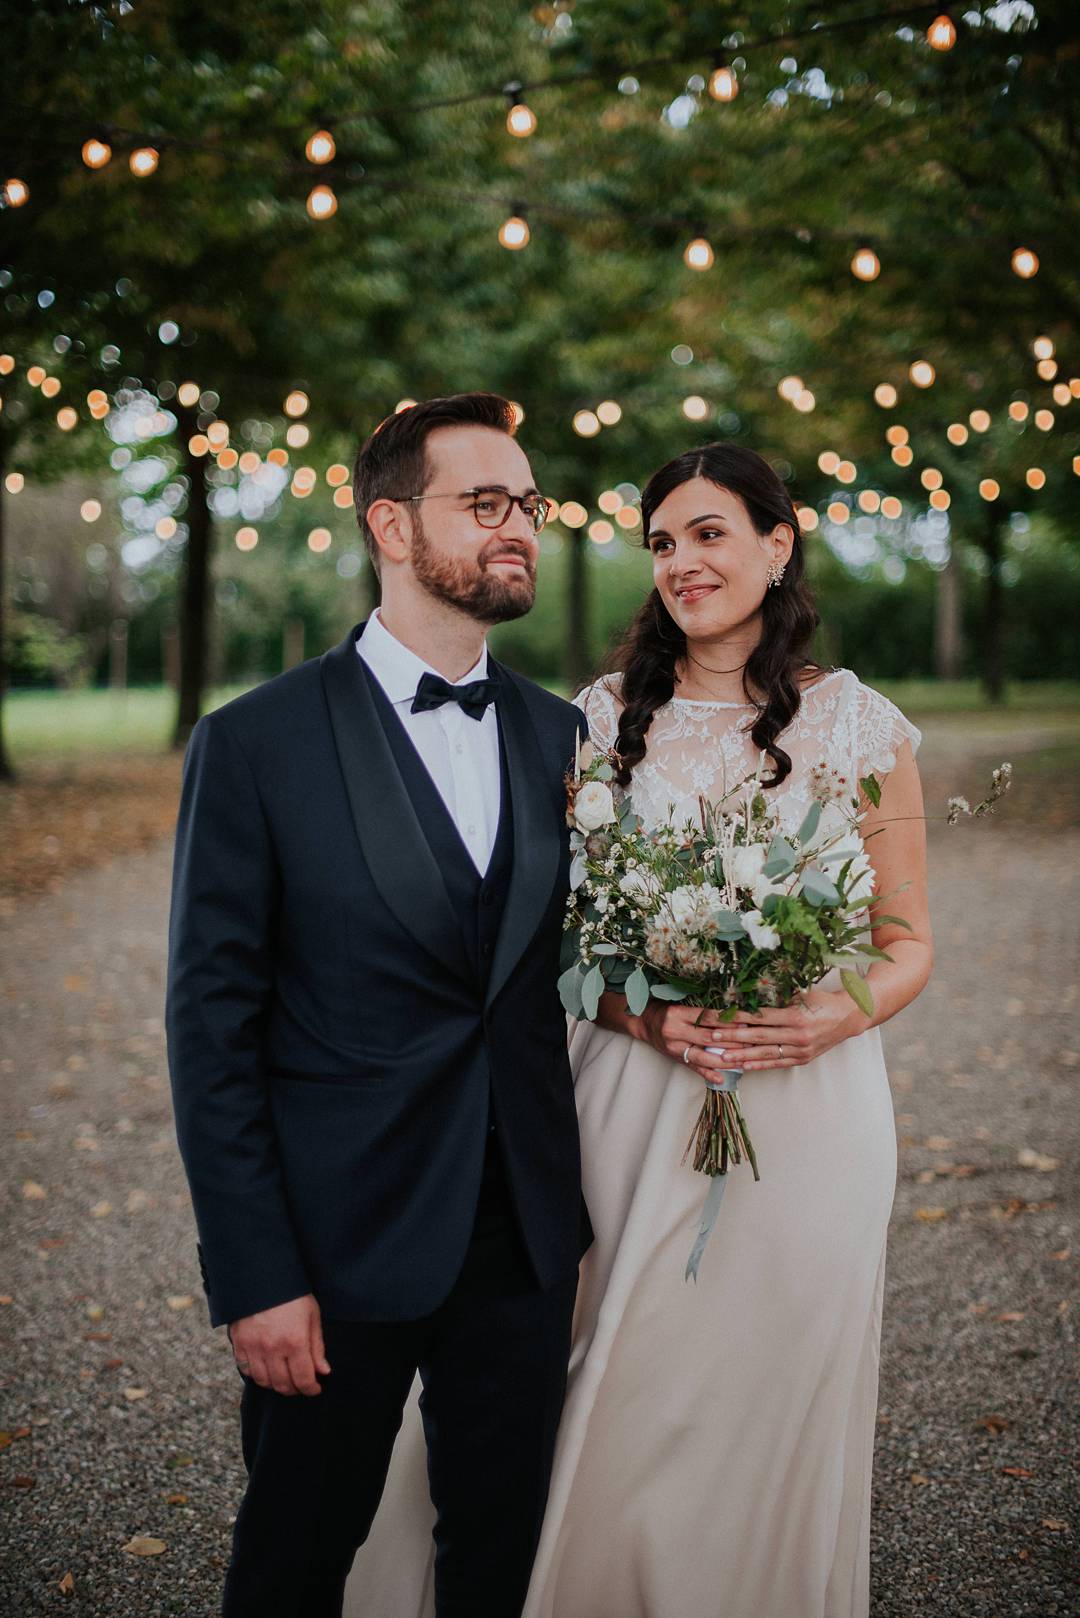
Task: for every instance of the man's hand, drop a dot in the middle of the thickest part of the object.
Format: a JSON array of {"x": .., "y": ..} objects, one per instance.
[{"x": 282, "y": 1348}]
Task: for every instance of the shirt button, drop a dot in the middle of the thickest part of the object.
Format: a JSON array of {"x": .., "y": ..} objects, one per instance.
[{"x": 471, "y": 830}]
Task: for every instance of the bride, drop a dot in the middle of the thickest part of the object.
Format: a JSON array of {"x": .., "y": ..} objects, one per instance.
[{"x": 715, "y": 1449}]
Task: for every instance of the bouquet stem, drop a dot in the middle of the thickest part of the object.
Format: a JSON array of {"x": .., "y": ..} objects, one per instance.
[{"x": 719, "y": 1138}]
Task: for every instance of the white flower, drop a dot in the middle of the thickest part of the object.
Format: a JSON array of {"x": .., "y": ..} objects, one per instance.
[
  {"x": 829, "y": 785},
  {"x": 601, "y": 901},
  {"x": 762, "y": 936},
  {"x": 682, "y": 907},
  {"x": 742, "y": 866},
  {"x": 861, "y": 879},
  {"x": 763, "y": 887},
  {"x": 639, "y": 885},
  {"x": 593, "y": 806}
]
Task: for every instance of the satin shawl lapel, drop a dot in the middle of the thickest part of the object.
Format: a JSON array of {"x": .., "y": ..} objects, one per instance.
[
  {"x": 537, "y": 846},
  {"x": 392, "y": 841}
]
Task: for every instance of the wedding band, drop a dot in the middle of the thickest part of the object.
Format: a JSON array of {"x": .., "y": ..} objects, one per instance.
[
  {"x": 242, "y": 1365},
  {"x": 780, "y": 1053},
  {"x": 686, "y": 1056}
]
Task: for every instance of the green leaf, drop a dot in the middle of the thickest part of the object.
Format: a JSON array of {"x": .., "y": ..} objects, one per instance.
[
  {"x": 859, "y": 991},
  {"x": 889, "y": 921},
  {"x": 603, "y": 772},
  {"x": 810, "y": 824},
  {"x": 872, "y": 952},
  {"x": 616, "y": 972},
  {"x": 591, "y": 989},
  {"x": 604, "y": 949},
  {"x": 569, "y": 986},
  {"x": 667, "y": 991},
  {"x": 579, "y": 869},
  {"x": 636, "y": 990},
  {"x": 817, "y": 889},
  {"x": 782, "y": 858},
  {"x": 728, "y": 925},
  {"x": 872, "y": 788}
]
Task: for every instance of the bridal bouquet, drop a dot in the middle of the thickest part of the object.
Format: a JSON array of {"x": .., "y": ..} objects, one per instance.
[{"x": 726, "y": 913}]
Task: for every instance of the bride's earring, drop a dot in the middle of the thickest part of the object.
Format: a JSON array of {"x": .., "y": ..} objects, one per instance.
[{"x": 775, "y": 573}]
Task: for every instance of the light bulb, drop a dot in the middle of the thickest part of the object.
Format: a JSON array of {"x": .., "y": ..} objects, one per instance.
[
  {"x": 1044, "y": 420},
  {"x": 836, "y": 511},
  {"x": 989, "y": 488},
  {"x": 956, "y": 433},
  {"x": 16, "y": 192},
  {"x": 885, "y": 395},
  {"x": 36, "y": 375},
  {"x": 320, "y": 147},
  {"x": 866, "y": 266},
  {"x": 14, "y": 483},
  {"x": 521, "y": 120},
  {"x": 321, "y": 203},
  {"x": 1047, "y": 369},
  {"x": 828, "y": 461},
  {"x": 296, "y": 403},
  {"x": 931, "y": 478},
  {"x": 319, "y": 540},
  {"x": 1043, "y": 348},
  {"x": 903, "y": 455},
  {"x": 572, "y": 514},
  {"x": 869, "y": 500},
  {"x": 90, "y": 510},
  {"x": 7, "y": 364},
  {"x": 941, "y": 34},
  {"x": 198, "y": 444},
  {"x": 789, "y": 387},
  {"x": 609, "y": 412},
  {"x": 723, "y": 84},
  {"x": 1025, "y": 263},
  {"x": 922, "y": 373},
  {"x": 695, "y": 408},
  {"x": 1018, "y": 410},
  {"x": 247, "y": 539},
  {"x": 698, "y": 255},
  {"x": 804, "y": 402},
  {"x": 66, "y": 419},
  {"x": 586, "y": 423},
  {"x": 337, "y": 474},
  {"x": 51, "y": 387},
  {"x": 896, "y": 434},
  {"x": 941, "y": 499},
  {"x": 1035, "y": 477},
  {"x": 188, "y": 394},
  {"x": 846, "y": 471},
  {"x": 297, "y": 435},
  {"x": 143, "y": 161},
  {"x": 609, "y": 502},
  {"x": 980, "y": 420},
  {"x": 601, "y": 532},
  {"x": 514, "y": 233},
  {"x": 96, "y": 153},
  {"x": 891, "y": 507},
  {"x": 808, "y": 518}
]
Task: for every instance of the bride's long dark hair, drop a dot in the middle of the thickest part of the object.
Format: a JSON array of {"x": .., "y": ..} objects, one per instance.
[{"x": 654, "y": 643}]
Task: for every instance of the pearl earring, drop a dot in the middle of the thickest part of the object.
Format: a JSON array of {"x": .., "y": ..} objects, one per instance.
[{"x": 775, "y": 573}]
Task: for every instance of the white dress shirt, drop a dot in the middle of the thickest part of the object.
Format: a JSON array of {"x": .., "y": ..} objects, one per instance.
[{"x": 460, "y": 754}]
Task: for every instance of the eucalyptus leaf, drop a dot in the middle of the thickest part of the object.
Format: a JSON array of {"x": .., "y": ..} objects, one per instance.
[
  {"x": 817, "y": 888},
  {"x": 728, "y": 925},
  {"x": 604, "y": 949},
  {"x": 579, "y": 869},
  {"x": 636, "y": 989},
  {"x": 616, "y": 972},
  {"x": 859, "y": 991},
  {"x": 810, "y": 824},
  {"x": 781, "y": 859},
  {"x": 591, "y": 989},
  {"x": 603, "y": 772},
  {"x": 667, "y": 991},
  {"x": 569, "y": 986}
]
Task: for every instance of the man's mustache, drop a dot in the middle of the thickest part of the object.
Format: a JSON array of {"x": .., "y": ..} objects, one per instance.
[{"x": 509, "y": 550}]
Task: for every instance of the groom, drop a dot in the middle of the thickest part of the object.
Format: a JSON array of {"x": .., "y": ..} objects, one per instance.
[{"x": 368, "y": 1054}]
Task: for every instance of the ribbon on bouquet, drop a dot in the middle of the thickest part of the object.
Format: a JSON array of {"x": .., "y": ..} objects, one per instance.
[{"x": 728, "y": 1082}]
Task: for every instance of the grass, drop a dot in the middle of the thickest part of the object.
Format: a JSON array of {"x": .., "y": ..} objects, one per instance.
[{"x": 93, "y": 723}]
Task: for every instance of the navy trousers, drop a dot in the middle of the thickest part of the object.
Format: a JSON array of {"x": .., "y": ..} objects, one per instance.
[{"x": 493, "y": 1362}]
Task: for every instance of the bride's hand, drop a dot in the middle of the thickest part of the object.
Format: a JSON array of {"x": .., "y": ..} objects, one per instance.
[
  {"x": 683, "y": 1033},
  {"x": 794, "y": 1035}
]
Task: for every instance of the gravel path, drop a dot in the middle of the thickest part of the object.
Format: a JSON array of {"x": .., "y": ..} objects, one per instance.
[{"x": 119, "y": 1404}]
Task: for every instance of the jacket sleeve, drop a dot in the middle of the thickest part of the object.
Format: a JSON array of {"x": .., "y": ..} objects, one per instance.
[{"x": 221, "y": 971}]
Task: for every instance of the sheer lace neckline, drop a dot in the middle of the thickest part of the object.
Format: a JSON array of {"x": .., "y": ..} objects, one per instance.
[{"x": 712, "y": 702}]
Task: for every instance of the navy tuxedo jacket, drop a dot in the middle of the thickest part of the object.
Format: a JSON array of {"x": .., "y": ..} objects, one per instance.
[{"x": 333, "y": 1052}]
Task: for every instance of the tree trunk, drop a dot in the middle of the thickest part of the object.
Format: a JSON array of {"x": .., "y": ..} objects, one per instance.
[
  {"x": 195, "y": 591},
  {"x": 948, "y": 626},
  {"x": 994, "y": 610},
  {"x": 6, "y": 771},
  {"x": 577, "y": 665}
]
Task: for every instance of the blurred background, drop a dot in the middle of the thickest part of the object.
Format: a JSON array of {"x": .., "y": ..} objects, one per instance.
[{"x": 235, "y": 237}]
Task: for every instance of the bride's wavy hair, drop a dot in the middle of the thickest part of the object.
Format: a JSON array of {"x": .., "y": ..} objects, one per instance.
[{"x": 649, "y": 651}]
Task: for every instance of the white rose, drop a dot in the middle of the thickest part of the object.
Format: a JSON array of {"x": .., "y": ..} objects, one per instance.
[
  {"x": 742, "y": 866},
  {"x": 682, "y": 905},
  {"x": 593, "y": 806},
  {"x": 762, "y": 936}
]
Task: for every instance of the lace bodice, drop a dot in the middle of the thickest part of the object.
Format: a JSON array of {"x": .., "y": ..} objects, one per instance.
[{"x": 702, "y": 749}]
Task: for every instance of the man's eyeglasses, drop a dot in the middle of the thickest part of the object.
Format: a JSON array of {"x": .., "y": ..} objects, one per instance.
[{"x": 491, "y": 507}]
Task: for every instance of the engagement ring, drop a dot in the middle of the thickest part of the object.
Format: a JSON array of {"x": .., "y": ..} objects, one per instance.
[{"x": 686, "y": 1056}]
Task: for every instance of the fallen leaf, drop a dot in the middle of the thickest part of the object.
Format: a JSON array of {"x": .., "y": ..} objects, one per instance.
[
  {"x": 1017, "y": 1472},
  {"x": 1027, "y": 1158},
  {"x": 23, "y": 1480},
  {"x": 1062, "y": 1254},
  {"x": 137, "y": 1201},
  {"x": 929, "y": 1216},
  {"x": 74, "y": 984},
  {"x": 1010, "y": 1316},
  {"x": 5, "y": 1440},
  {"x": 5, "y": 1297},
  {"x": 97, "y": 1336},
  {"x": 112, "y": 1365},
  {"x": 978, "y": 1308},
  {"x": 67, "y": 1585},
  {"x": 919, "y": 1477},
  {"x": 993, "y": 1424},
  {"x": 938, "y": 1143},
  {"x": 144, "y": 1545},
  {"x": 925, "y": 1177},
  {"x": 176, "y": 1499},
  {"x": 1056, "y": 1524},
  {"x": 183, "y": 1302},
  {"x": 34, "y": 1192},
  {"x": 53, "y": 1241},
  {"x": 135, "y": 1393},
  {"x": 100, "y": 1209},
  {"x": 179, "y": 1460}
]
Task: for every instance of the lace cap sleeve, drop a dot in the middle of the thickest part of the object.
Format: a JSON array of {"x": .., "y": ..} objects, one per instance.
[
  {"x": 880, "y": 732},
  {"x": 598, "y": 702}
]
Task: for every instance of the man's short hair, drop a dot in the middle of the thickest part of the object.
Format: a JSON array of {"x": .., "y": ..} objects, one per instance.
[{"x": 393, "y": 463}]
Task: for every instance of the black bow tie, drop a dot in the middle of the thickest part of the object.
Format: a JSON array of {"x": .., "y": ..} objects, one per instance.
[{"x": 433, "y": 691}]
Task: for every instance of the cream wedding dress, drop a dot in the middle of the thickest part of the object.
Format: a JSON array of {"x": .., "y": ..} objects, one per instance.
[{"x": 715, "y": 1450}]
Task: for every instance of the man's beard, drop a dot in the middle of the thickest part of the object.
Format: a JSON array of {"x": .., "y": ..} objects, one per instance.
[{"x": 469, "y": 586}]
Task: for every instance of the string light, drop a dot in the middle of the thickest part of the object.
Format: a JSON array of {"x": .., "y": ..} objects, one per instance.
[
  {"x": 343, "y": 498},
  {"x": 601, "y": 532},
  {"x": 553, "y": 511},
  {"x": 891, "y": 507},
  {"x": 846, "y": 472},
  {"x": 698, "y": 255},
  {"x": 227, "y": 459},
  {"x": 804, "y": 402},
  {"x": 931, "y": 478},
  {"x": 941, "y": 34},
  {"x": 723, "y": 83},
  {"x": 989, "y": 488},
  {"x": 885, "y": 395},
  {"x": 36, "y": 375},
  {"x": 337, "y": 475},
  {"x": 14, "y": 483},
  {"x": 97, "y": 402},
  {"x": 941, "y": 499},
  {"x": 956, "y": 433},
  {"x": 16, "y": 192},
  {"x": 296, "y": 403},
  {"x": 1043, "y": 348},
  {"x": 319, "y": 540},
  {"x": 1044, "y": 420},
  {"x": 896, "y": 434},
  {"x": 808, "y": 518},
  {"x": 321, "y": 202},
  {"x": 1025, "y": 263},
  {"x": 573, "y": 514},
  {"x": 695, "y": 408},
  {"x": 1074, "y": 386},
  {"x": 586, "y": 423},
  {"x": 320, "y": 147},
  {"x": 198, "y": 444},
  {"x": 143, "y": 161},
  {"x": 1018, "y": 410},
  {"x": 869, "y": 500},
  {"x": 828, "y": 461},
  {"x": 1076, "y": 465},
  {"x": 628, "y": 517},
  {"x": 96, "y": 153},
  {"x": 866, "y": 266},
  {"x": 922, "y": 373},
  {"x": 217, "y": 434},
  {"x": 837, "y": 512},
  {"x": 51, "y": 387},
  {"x": 902, "y": 455},
  {"x": 1061, "y": 394},
  {"x": 789, "y": 387},
  {"x": 188, "y": 394},
  {"x": 7, "y": 364},
  {"x": 520, "y": 119},
  {"x": 90, "y": 510},
  {"x": 278, "y": 456},
  {"x": 609, "y": 412},
  {"x": 165, "y": 527},
  {"x": 1035, "y": 477},
  {"x": 514, "y": 233},
  {"x": 980, "y": 420},
  {"x": 297, "y": 435},
  {"x": 609, "y": 502},
  {"x": 247, "y": 539},
  {"x": 1047, "y": 369},
  {"x": 66, "y": 419},
  {"x": 249, "y": 463}
]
